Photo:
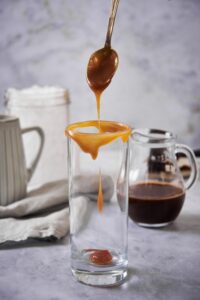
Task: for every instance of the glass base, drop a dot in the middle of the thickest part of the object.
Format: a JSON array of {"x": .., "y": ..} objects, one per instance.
[
  {"x": 102, "y": 279},
  {"x": 157, "y": 225}
]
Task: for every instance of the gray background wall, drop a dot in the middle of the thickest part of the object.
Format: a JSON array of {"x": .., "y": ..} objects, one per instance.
[{"x": 158, "y": 42}]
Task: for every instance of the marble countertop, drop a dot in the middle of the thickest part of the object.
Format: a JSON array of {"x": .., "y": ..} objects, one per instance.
[{"x": 163, "y": 264}]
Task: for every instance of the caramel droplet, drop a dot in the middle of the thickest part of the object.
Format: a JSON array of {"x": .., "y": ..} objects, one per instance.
[{"x": 100, "y": 200}]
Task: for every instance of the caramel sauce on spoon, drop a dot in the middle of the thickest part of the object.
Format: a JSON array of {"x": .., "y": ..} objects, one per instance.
[{"x": 101, "y": 68}]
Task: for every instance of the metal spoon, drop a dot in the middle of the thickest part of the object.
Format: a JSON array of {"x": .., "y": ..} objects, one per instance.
[{"x": 103, "y": 63}]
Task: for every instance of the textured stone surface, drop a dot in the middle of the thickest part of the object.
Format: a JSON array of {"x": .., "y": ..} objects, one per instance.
[
  {"x": 163, "y": 264},
  {"x": 158, "y": 41}
]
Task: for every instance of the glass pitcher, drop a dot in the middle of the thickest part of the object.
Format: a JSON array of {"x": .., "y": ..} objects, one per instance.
[{"x": 156, "y": 186}]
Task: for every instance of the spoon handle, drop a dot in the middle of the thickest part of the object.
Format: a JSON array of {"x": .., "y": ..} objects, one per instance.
[{"x": 111, "y": 22}]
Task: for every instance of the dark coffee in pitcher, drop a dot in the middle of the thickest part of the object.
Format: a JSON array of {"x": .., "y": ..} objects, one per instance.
[{"x": 155, "y": 202}]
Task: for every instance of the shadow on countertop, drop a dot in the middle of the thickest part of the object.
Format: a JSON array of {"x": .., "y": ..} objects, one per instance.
[{"x": 31, "y": 242}]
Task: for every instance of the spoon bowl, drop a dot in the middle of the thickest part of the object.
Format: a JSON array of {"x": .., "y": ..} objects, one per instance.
[{"x": 101, "y": 68}]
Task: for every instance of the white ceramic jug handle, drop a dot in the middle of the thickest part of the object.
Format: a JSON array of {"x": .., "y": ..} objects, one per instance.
[
  {"x": 35, "y": 161},
  {"x": 190, "y": 155}
]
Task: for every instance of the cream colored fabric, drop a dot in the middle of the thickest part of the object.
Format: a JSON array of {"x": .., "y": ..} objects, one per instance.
[
  {"x": 53, "y": 225},
  {"x": 44, "y": 213},
  {"x": 38, "y": 200}
]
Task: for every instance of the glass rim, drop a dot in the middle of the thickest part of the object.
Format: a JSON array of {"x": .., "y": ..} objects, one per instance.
[
  {"x": 152, "y": 135},
  {"x": 107, "y": 132},
  {"x": 116, "y": 127}
]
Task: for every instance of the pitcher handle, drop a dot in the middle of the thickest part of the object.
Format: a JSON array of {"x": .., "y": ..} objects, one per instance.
[
  {"x": 180, "y": 148},
  {"x": 35, "y": 161}
]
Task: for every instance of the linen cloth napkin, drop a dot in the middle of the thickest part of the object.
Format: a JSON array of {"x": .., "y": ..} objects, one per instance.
[{"x": 44, "y": 213}]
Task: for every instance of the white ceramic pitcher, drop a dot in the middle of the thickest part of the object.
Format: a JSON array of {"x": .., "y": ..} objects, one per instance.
[
  {"x": 48, "y": 108},
  {"x": 14, "y": 175}
]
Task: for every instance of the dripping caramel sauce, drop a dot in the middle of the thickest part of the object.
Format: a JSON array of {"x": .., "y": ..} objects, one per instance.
[
  {"x": 98, "y": 104},
  {"x": 100, "y": 199},
  {"x": 101, "y": 68},
  {"x": 107, "y": 132}
]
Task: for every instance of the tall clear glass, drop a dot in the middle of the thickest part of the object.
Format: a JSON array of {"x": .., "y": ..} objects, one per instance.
[{"x": 98, "y": 228}]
